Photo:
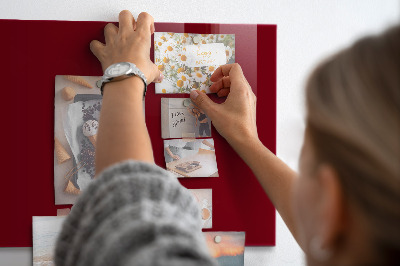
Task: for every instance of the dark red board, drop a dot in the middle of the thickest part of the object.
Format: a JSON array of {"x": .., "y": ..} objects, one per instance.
[{"x": 34, "y": 52}]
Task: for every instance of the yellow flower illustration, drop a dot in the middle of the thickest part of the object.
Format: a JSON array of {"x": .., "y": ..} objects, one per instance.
[
  {"x": 171, "y": 58},
  {"x": 179, "y": 83},
  {"x": 199, "y": 77}
]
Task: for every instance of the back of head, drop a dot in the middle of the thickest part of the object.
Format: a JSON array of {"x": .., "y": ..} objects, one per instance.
[{"x": 353, "y": 104}]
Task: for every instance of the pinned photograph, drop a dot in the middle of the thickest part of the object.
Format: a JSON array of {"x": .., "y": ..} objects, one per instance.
[
  {"x": 77, "y": 105},
  {"x": 204, "y": 199},
  {"x": 45, "y": 230},
  {"x": 180, "y": 118},
  {"x": 226, "y": 247},
  {"x": 191, "y": 157},
  {"x": 188, "y": 60}
]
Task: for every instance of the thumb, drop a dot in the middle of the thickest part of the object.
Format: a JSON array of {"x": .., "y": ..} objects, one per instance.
[
  {"x": 202, "y": 100},
  {"x": 157, "y": 75}
]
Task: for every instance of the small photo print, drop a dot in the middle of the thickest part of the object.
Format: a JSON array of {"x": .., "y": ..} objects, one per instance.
[
  {"x": 45, "y": 230},
  {"x": 226, "y": 247},
  {"x": 188, "y": 60},
  {"x": 77, "y": 105},
  {"x": 180, "y": 118},
  {"x": 204, "y": 199},
  {"x": 191, "y": 157}
]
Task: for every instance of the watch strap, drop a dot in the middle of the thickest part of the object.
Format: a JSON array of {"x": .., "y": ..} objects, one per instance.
[{"x": 135, "y": 71}]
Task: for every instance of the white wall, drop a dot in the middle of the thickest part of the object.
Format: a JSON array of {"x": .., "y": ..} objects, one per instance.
[{"x": 307, "y": 32}]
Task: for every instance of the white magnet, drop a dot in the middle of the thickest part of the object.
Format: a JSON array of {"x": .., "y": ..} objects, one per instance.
[
  {"x": 217, "y": 239},
  {"x": 196, "y": 39},
  {"x": 187, "y": 102}
]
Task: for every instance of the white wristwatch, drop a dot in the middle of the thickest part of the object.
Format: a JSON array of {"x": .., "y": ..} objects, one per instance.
[{"x": 120, "y": 71}]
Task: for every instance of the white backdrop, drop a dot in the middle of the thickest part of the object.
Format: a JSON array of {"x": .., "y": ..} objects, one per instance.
[{"x": 307, "y": 32}]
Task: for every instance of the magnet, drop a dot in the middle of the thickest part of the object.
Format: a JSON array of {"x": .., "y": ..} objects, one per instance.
[
  {"x": 196, "y": 39},
  {"x": 187, "y": 102}
]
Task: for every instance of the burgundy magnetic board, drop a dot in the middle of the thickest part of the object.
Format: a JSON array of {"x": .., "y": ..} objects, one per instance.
[{"x": 33, "y": 52}]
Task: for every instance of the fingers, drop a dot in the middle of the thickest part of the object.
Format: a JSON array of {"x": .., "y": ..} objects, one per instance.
[
  {"x": 145, "y": 24},
  {"x": 158, "y": 75},
  {"x": 232, "y": 70},
  {"x": 126, "y": 22},
  {"x": 110, "y": 31},
  {"x": 97, "y": 48},
  {"x": 225, "y": 82},
  {"x": 203, "y": 102},
  {"x": 229, "y": 79},
  {"x": 223, "y": 92}
]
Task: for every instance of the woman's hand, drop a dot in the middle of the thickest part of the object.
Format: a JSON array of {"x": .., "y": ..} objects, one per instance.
[
  {"x": 235, "y": 119},
  {"x": 176, "y": 157},
  {"x": 130, "y": 42}
]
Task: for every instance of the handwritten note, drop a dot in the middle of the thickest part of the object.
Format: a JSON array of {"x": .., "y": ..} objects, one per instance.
[
  {"x": 177, "y": 118},
  {"x": 180, "y": 121},
  {"x": 210, "y": 54}
]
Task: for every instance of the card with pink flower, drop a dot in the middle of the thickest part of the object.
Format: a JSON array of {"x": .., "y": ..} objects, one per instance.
[{"x": 188, "y": 60}]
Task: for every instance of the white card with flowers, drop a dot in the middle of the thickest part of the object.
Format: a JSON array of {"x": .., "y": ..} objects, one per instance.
[{"x": 188, "y": 60}]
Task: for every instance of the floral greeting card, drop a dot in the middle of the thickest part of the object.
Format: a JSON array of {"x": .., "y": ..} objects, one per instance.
[{"x": 188, "y": 60}]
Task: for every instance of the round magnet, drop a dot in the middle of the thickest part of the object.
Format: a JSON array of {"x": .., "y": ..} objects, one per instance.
[
  {"x": 187, "y": 102},
  {"x": 196, "y": 39},
  {"x": 217, "y": 239}
]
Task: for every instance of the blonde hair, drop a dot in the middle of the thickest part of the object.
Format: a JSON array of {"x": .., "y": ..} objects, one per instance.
[{"x": 353, "y": 120}]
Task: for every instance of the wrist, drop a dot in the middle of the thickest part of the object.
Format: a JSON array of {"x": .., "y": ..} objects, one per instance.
[
  {"x": 244, "y": 141},
  {"x": 132, "y": 86}
]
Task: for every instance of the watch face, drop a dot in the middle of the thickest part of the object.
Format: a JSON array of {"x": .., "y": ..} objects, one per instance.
[{"x": 118, "y": 69}]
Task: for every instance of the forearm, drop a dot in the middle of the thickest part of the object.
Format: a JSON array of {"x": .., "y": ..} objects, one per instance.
[
  {"x": 122, "y": 131},
  {"x": 275, "y": 176},
  {"x": 169, "y": 151}
]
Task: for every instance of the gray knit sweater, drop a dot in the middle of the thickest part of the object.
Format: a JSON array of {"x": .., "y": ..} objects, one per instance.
[{"x": 134, "y": 213}]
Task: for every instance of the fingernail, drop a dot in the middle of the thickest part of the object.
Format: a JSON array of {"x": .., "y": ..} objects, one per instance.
[
  {"x": 194, "y": 94},
  {"x": 160, "y": 77}
]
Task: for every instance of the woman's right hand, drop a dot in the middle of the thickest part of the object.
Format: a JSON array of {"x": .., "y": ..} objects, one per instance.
[
  {"x": 130, "y": 42},
  {"x": 176, "y": 157},
  {"x": 235, "y": 119}
]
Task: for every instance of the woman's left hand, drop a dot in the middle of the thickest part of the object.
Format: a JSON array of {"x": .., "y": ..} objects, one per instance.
[{"x": 130, "y": 42}]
